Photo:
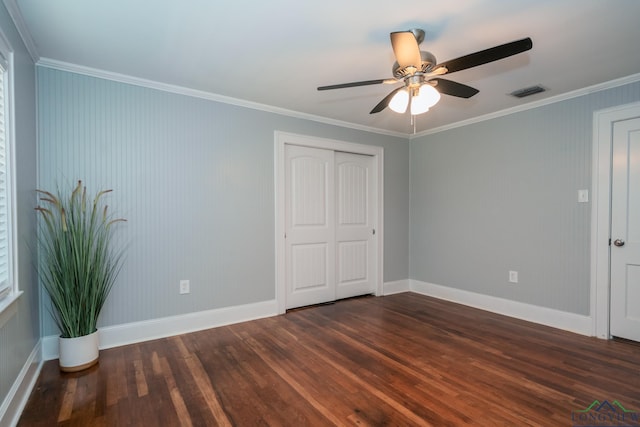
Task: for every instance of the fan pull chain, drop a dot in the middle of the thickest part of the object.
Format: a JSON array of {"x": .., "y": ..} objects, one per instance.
[{"x": 413, "y": 117}]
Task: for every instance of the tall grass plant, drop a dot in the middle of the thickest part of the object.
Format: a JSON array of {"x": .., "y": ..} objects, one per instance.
[{"x": 77, "y": 263}]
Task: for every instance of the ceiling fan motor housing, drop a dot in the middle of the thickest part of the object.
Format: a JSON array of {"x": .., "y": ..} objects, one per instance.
[{"x": 427, "y": 64}]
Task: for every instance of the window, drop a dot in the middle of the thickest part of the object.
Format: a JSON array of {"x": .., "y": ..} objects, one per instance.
[{"x": 8, "y": 285}]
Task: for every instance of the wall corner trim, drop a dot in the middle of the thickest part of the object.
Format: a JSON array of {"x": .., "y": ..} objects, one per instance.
[
  {"x": 567, "y": 321},
  {"x": 21, "y": 26},
  {"x": 396, "y": 287}
]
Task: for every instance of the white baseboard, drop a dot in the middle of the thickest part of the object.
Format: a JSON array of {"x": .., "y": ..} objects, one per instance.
[
  {"x": 16, "y": 399},
  {"x": 129, "y": 333},
  {"x": 396, "y": 287},
  {"x": 572, "y": 322}
]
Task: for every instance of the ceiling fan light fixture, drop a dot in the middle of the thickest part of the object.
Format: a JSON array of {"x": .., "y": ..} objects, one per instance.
[
  {"x": 418, "y": 70},
  {"x": 400, "y": 101},
  {"x": 425, "y": 97},
  {"x": 417, "y": 108}
]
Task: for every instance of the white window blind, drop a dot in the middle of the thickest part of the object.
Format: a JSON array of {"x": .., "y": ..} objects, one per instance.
[{"x": 5, "y": 244}]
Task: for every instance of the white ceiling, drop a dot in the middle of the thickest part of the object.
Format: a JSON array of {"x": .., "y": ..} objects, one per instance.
[{"x": 275, "y": 53}]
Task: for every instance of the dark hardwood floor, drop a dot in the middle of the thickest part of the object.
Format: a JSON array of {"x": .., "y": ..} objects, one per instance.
[{"x": 400, "y": 360}]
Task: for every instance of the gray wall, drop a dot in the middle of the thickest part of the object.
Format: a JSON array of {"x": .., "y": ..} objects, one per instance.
[
  {"x": 502, "y": 195},
  {"x": 195, "y": 180},
  {"x": 20, "y": 334}
]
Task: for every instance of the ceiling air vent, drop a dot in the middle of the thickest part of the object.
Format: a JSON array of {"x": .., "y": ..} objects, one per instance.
[{"x": 527, "y": 91}]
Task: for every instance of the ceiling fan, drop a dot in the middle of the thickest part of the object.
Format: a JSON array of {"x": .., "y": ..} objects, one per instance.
[{"x": 420, "y": 72}]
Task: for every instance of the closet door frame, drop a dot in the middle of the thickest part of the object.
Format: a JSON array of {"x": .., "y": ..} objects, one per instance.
[{"x": 281, "y": 140}]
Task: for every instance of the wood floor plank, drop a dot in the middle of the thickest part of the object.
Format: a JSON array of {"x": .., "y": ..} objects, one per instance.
[
  {"x": 343, "y": 393},
  {"x": 176, "y": 396},
  {"x": 203, "y": 383},
  {"x": 286, "y": 374},
  {"x": 67, "y": 401},
  {"x": 116, "y": 383},
  {"x": 404, "y": 359},
  {"x": 141, "y": 381},
  {"x": 372, "y": 371}
]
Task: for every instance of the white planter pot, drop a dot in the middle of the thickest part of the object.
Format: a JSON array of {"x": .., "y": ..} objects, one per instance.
[{"x": 78, "y": 353}]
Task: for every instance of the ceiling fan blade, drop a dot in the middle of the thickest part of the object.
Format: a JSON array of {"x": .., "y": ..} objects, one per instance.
[
  {"x": 385, "y": 101},
  {"x": 449, "y": 87},
  {"x": 405, "y": 48},
  {"x": 354, "y": 84},
  {"x": 487, "y": 55}
]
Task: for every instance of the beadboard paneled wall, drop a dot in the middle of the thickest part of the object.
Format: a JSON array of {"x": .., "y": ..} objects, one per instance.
[
  {"x": 195, "y": 180},
  {"x": 502, "y": 195},
  {"x": 21, "y": 332}
]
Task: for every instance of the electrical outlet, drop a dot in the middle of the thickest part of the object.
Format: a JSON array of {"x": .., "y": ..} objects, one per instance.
[
  {"x": 513, "y": 276},
  {"x": 184, "y": 287}
]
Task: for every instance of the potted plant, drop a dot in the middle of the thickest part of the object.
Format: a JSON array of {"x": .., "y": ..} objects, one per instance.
[{"x": 77, "y": 267}]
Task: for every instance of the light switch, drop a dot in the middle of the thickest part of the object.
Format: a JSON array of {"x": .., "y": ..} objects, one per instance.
[{"x": 583, "y": 196}]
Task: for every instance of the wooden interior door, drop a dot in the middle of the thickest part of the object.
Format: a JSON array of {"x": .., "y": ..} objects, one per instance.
[
  {"x": 329, "y": 233},
  {"x": 625, "y": 230},
  {"x": 309, "y": 226},
  {"x": 355, "y": 233}
]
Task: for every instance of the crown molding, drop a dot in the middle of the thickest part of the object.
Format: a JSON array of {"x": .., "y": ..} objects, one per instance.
[
  {"x": 21, "y": 26},
  {"x": 531, "y": 105},
  {"x": 123, "y": 78}
]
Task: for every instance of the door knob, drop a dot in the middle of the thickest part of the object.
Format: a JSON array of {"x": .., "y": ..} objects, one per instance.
[{"x": 618, "y": 242}]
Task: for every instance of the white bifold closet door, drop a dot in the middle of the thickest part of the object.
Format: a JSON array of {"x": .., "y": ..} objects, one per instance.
[{"x": 329, "y": 225}]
